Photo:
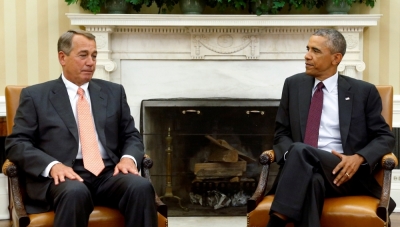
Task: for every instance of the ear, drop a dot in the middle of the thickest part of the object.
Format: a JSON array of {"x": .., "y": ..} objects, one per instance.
[
  {"x": 61, "y": 57},
  {"x": 337, "y": 58}
]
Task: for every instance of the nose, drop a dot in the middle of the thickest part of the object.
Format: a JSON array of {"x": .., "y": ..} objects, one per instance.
[
  {"x": 90, "y": 61},
  {"x": 307, "y": 56}
]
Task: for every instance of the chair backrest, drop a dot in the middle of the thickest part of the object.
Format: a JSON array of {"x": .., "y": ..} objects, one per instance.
[
  {"x": 12, "y": 94},
  {"x": 386, "y": 92}
]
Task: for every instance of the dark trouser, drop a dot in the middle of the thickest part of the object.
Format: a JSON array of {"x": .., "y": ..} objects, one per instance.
[
  {"x": 306, "y": 179},
  {"x": 74, "y": 201}
]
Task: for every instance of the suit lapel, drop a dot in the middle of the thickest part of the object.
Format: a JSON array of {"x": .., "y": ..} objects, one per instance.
[
  {"x": 345, "y": 100},
  {"x": 60, "y": 101},
  {"x": 304, "y": 99},
  {"x": 99, "y": 107}
]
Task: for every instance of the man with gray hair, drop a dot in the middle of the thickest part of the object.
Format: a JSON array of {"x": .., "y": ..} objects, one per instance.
[
  {"x": 76, "y": 141},
  {"x": 329, "y": 136}
]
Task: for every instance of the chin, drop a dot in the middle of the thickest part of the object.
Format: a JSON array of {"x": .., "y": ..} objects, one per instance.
[
  {"x": 87, "y": 76},
  {"x": 310, "y": 73}
]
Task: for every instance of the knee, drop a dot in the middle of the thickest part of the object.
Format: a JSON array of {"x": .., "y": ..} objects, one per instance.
[
  {"x": 301, "y": 149},
  {"x": 72, "y": 193},
  {"x": 75, "y": 190},
  {"x": 141, "y": 186},
  {"x": 297, "y": 146},
  {"x": 145, "y": 185},
  {"x": 296, "y": 149}
]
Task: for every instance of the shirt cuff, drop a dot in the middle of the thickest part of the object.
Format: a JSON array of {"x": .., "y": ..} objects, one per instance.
[
  {"x": 284, "y": 155},
  {"x": 134, "y": 160},
  {"x": 46, "y": 171}
]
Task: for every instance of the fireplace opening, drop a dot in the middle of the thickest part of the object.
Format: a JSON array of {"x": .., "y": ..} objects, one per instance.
[{"x": 205, "y": 151}]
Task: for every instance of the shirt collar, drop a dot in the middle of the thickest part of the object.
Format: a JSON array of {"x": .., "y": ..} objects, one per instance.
[
  {"x": 72, "y": 88},
  {"x": 330, "y": 83}
]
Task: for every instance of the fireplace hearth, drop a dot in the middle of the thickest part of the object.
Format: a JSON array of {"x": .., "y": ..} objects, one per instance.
[{"x": 192, "y": 173}]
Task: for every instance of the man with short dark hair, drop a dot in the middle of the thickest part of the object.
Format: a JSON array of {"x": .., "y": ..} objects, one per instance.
[
  {"x": 329, "y": 136},
  {"x": 77, "y": 144}
]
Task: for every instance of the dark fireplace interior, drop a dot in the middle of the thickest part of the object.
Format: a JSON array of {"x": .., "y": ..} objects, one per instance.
[{"x": 205, "y": 151}]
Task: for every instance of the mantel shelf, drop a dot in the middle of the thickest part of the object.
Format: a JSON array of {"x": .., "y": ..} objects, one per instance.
[{"x": 170, "y": 20}]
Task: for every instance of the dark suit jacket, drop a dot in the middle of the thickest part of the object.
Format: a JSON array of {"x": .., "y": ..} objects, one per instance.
[
  {"x": 45, "y": 130},
  {"x": 363, "y": 129}
]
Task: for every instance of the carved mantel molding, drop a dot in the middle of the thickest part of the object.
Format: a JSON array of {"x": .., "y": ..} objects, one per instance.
[
  {"x": 168, "y": 20},
  {"x": 219, "y": 37}
]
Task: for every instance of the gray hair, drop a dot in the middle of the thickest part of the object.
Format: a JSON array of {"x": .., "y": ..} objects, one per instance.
[
  {"x": 335, "y": 40},
  {"x": 65, "y": 41}
]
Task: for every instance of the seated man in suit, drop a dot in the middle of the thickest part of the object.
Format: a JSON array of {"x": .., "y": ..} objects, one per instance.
[
  {"x": 329, "y": 135},
  {"x": 77, "y": 144}
]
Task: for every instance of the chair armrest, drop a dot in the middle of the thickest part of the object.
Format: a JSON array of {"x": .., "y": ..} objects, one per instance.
[
  {"x": 387, "y": 165},
  {"x": 16, "y": 202},
  {"x": 389, "y": 162},
  {"x": 265, "y": 159},
  {"x": 147, "y": 163}
]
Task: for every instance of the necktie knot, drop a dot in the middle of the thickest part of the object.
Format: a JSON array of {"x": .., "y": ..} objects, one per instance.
[
  {"x": 81, "y": 92},
  {"x": 320, "y": 85}
]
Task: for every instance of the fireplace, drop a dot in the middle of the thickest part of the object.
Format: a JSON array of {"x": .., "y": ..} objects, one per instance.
[{"x": 182, "y": 137}]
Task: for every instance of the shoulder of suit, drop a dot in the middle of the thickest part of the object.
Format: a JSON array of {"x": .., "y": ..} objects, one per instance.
[
  {"x": 299, "y": 76},
  {"x": 42, "y": 87},
  {"x": 104, "y": 82},
  {"x": 355, "y": 82}
]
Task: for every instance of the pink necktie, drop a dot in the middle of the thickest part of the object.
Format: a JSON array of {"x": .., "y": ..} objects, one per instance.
[
  {"x": 92, "y": 160},
  {"x": 314, "y": 117}
]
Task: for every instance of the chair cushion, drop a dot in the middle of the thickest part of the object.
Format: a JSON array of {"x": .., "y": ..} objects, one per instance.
[
  {"x": 354, "y": 211},
  {"x": 162, "y": 221},
  {"x": 100, "y": 217}
]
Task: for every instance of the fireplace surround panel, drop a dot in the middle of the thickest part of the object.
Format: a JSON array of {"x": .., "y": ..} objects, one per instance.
[{"x": 180, "y": 128}]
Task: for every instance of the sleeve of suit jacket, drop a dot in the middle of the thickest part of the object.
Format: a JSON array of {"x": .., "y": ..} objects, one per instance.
[{"x": 283, "y": 135}]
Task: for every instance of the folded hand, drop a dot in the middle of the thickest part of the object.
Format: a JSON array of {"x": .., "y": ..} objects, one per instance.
[
  {"x": 347, "y": 167},
  {"x": 126, "y": 165}
]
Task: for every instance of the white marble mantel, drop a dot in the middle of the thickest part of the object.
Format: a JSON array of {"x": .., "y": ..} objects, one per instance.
[{"x": 195, "y": 56}]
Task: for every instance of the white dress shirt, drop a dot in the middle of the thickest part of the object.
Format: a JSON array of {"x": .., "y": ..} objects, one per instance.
[{"x": 329, "y": 130}]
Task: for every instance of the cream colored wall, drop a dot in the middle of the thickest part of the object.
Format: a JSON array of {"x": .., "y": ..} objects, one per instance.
[
  {"x": 29, "y": 30},
  {"x": 382, "y": 45}
]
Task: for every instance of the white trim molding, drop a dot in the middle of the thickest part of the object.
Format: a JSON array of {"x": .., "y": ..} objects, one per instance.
[
  {"x": 395, "y": 188},
  {"x": 4, "y": 213},
  {"x": 396, "y": 111},
  {"x": 2, "y": 106},
  {"x": 171, "y": 20}
]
